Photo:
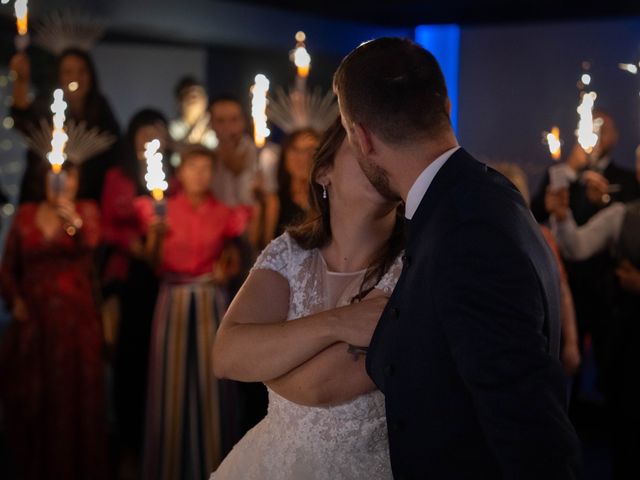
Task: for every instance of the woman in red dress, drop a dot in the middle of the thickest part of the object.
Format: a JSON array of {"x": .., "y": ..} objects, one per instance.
[{"x": 51, "y": 367}]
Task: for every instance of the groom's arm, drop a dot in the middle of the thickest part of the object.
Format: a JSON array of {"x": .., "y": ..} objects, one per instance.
[{"x": 491, "y": 309}]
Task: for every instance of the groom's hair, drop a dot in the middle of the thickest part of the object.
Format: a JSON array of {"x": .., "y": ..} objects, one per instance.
[{"x": 395, "y": 88}]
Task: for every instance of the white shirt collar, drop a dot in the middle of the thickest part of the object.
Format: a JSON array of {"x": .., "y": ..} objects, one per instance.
[{"x": 422, "y": 183}]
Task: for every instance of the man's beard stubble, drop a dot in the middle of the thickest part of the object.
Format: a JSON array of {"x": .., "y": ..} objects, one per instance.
[{"x": 379, "y": 178}]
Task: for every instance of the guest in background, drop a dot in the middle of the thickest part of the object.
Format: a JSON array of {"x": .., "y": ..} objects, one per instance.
[
  {"x": 193, "y": 126},
  {"x": 606, "y": 182},
  {"x": 617, "y": 230},
  {"x": 570, "y": 349},
  {"x": 294, "y": 169},
  {"x": 52, "y": 376},
  {"x": 597, "y": 183},
  {"x": 76, "y": 75},
  {"x": 238, "y": 179},
  {"x": 131, "y": 281},
  {"x": 186, "y": 421}
]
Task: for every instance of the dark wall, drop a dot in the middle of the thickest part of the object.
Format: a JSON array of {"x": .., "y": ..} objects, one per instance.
[
  {"x": 231, "y": 70},
  {"x": 517, "y": 81}
]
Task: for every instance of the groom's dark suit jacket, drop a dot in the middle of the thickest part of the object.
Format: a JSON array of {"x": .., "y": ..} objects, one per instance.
[{"x": 466, "y": 351}]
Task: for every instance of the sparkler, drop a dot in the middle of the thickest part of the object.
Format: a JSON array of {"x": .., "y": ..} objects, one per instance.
[
  {"x": 22, "y": 24},
  {"x": 628, "y": 67},
  {"x": 554, "y": 143},
  {"x": 302, "y": 61},
  {"x": 587, "y": 129},
  {"x": 259, "y": 92},
  {"x": 155, "y": 177},
  {"x": 59, "y": 139}
]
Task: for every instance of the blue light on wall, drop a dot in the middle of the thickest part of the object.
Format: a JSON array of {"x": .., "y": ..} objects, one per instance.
[{"x": 444, "y": 42}]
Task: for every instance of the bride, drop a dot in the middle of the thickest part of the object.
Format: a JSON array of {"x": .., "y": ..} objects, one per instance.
[{"x": 314, "y": 292}]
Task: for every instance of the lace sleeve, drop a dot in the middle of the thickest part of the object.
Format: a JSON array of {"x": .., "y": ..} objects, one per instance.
[
  {"x": 388, "y": 282},
  {"x": 276, "y": 256}
]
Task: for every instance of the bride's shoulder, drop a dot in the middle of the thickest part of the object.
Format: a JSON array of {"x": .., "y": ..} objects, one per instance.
[{"x": 281, "y": 255}]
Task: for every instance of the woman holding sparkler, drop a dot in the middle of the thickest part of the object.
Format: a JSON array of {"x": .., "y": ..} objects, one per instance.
[
  {"x": 52, "y": 376},
  {"x": 76, "y": 75},
  {"x": 130, "y": 279},
  {"x": 185, "y": 418}
]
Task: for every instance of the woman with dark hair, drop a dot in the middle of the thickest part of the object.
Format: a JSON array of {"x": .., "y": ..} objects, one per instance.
[
  {"x": 294, "y": 168},
  {"x": 295, "y": 325},
  {"x": 76, "y": 75},
  {"x": 52, "y": 375},
  {"x": 130, "y": 279}
]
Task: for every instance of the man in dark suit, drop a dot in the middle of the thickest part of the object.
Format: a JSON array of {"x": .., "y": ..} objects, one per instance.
[{"x": 466, "y": 351}]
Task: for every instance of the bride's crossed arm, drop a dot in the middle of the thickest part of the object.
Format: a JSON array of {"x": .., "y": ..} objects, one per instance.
[{"x": 305, "y": 359}]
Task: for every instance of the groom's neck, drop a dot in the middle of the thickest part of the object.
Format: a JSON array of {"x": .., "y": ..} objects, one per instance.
[{"x": 409, "y": 161}]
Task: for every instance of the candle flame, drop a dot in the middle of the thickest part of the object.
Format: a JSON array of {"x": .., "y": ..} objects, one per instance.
[
  {"x": 554, "y": 143},
  {"x": 59, "y": 137},
  {"x": 73, "y": 86},
  {"x": 22, "y": 16},
  {"x": 259, "y": 92},
  {"x": 154, "y": 177},
  {"x": 586, "y": 132}
]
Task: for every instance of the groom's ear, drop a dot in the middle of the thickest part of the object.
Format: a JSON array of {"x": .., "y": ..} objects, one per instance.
[{"x": 363, "y": 138}]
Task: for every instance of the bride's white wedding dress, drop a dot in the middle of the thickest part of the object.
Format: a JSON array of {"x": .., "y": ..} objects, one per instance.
[{"x": 348, "y": 441}]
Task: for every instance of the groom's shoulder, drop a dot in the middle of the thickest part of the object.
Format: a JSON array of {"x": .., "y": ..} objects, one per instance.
[{"x": 483, "y": 193}]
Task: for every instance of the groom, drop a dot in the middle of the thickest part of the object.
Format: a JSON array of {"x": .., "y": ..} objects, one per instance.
[{"x": 466, "y": 351}]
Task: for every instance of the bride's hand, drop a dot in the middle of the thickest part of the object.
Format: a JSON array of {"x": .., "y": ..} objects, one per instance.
[{"x": 360, "y": 320}]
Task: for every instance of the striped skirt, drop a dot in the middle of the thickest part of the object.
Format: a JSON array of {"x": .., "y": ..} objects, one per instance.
[{"x": 184, "y": 425}]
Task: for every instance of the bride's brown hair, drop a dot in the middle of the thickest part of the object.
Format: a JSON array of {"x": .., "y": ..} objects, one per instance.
[{"x": 315, "y": 230}]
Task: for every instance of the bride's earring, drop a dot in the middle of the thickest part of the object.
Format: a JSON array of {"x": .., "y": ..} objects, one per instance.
[{"x": 324, "y": 192}]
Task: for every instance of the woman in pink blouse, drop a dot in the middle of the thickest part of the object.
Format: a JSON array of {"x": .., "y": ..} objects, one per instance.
[{"x": 183, "y": 430}]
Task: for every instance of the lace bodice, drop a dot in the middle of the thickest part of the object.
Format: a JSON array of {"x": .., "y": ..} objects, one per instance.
[
  {"x": 303, "y": 269},
  {"x": 348, "y": 441}
]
